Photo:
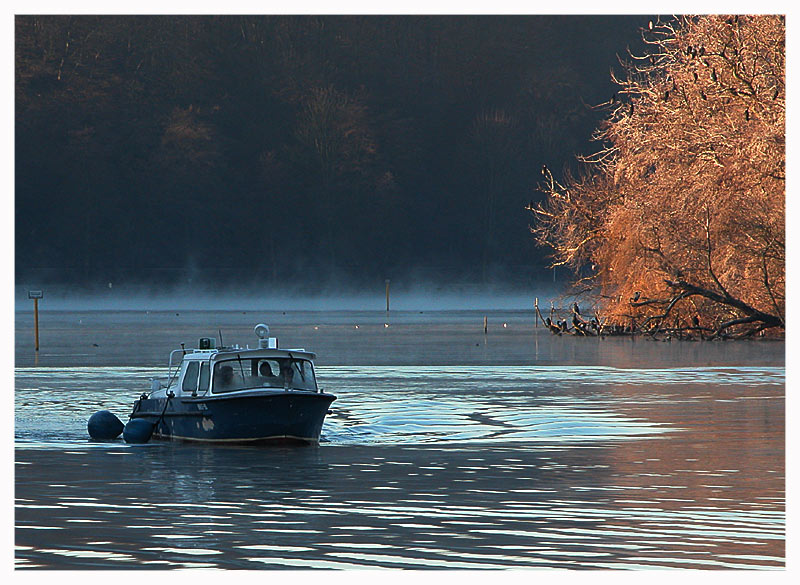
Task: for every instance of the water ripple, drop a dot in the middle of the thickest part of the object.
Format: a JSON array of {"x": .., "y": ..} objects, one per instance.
[{"x": 432, "y": 467}]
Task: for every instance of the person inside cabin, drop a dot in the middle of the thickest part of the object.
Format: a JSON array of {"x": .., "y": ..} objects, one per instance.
[
  {"x": 267, "y": 377},
  {"x": 287, "y": 373},
  {"x": 224, "y": 378}
]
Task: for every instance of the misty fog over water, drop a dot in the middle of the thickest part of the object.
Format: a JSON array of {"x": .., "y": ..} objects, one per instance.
[
  {"x": 403, "y": 297},
  {"x": 90, "y": 337}
]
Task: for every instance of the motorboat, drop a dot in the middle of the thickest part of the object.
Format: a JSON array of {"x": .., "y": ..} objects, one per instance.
[{"x": 235, "y": 395}]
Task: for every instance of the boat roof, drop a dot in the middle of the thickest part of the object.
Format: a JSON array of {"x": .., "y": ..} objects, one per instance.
[{"x": 224, "y": 353}]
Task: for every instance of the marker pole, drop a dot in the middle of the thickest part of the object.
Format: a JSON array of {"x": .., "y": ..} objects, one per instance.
[{"x": 36, "y": 322}]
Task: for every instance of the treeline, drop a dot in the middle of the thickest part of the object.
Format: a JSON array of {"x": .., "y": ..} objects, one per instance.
[{"x": 292, "y": 148}]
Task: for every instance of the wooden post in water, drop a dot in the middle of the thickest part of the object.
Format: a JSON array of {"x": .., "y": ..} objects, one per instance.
[
  {"x": 536, "y": 312},
  {"x": 36, "y": 322},
  {"x": 387, "y": 295},
  {"x": 35, "y": 295},
  {"x": 485, "y": 325}
]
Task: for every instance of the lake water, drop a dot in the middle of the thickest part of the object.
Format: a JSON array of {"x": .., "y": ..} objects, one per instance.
[{"x": 447, "y": 448}]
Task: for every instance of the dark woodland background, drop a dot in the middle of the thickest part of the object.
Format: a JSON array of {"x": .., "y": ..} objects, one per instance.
[{"x": 298, "y": 149}]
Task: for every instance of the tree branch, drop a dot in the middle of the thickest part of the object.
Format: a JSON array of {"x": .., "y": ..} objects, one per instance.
[{"x": 766, "y": 318}]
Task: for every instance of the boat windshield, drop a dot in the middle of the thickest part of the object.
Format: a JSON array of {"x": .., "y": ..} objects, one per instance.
[{"x": 247, "y": 373}]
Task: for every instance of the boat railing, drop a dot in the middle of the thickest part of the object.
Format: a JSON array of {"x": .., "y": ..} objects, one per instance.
[{"x": 171, "y": 376}]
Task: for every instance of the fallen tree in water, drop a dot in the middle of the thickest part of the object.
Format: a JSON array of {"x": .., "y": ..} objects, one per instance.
[
  {"x": 659, "y": 325},
  {"x": 677, "y": 227}
]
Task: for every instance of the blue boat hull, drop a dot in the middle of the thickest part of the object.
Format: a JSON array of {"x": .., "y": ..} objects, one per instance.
[{"x": 275, "y": 417}]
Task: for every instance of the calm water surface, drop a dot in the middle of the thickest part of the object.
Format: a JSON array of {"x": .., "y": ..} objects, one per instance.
[{"x": 446, "y": 449}]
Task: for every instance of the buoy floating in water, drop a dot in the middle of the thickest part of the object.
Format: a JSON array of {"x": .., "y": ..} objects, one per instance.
[
  {"x": 138, "y": 430},
  {"x": 104, "y": 426}
]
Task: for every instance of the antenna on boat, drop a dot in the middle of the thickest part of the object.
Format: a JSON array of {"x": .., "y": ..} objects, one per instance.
[{"x": 220, "y": 338}]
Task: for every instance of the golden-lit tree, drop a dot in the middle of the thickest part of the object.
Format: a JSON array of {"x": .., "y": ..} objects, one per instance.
[{"x": 679, "y": 223}]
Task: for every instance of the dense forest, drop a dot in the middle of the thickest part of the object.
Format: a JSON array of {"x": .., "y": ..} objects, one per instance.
[
  {"x": 175, "y": 149},
  {"x": 678, "y": 226}
]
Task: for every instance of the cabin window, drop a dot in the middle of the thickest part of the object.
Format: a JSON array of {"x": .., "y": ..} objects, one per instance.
[
  {"x": 205, "y": 376},
  {"x": 190, "y": 377},
  {"x": 291, "y": 374},
  {"x": 303, "y": 378}
]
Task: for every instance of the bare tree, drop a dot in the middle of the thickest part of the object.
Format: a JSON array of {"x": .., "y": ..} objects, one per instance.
[{"x": 680, "y": 223}]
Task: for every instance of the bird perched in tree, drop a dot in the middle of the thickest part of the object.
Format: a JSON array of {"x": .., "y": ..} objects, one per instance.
[
  {"x": 747, "y": 114},
  {"x": 696, "y": 321},
  {"x": 630, "y": 113},
  {"x": 650, "y": 25},
  {"x": 575, "y": 308},
  {"x": 545, "y": 170},
  {"x": 703, "y": 95},
  {"x": 713, "y": 74},
  {"x": 636, "y": 296}
]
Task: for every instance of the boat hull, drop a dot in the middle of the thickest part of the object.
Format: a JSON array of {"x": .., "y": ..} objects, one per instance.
[{"x": 283, "y": 417}]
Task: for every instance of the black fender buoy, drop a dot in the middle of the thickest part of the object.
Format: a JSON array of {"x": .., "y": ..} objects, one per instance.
[
  {"x": 138, "y": 430},
  {"x": 104, "y": 426}
]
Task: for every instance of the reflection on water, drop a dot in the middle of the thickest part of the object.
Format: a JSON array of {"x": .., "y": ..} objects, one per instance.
[
  {"x": 353, "y": 506},
  {"x": 420, "y": 467}
]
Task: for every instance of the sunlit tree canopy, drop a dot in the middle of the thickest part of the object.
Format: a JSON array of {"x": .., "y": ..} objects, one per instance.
[{"x": 679, "y": 222}]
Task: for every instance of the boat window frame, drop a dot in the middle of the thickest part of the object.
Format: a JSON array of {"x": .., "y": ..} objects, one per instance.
[
  {"x": 218, "y": 362},
  {"x": 204, "y": 364}
]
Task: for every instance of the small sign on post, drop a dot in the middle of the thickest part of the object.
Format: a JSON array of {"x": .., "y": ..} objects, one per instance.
[{"x": 36, "y": 295}]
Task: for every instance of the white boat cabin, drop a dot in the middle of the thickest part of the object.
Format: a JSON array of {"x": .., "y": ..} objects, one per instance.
[{"x": 208, "y": 371}]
